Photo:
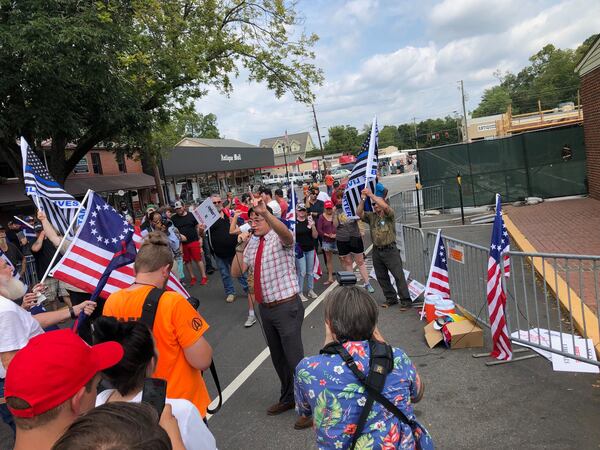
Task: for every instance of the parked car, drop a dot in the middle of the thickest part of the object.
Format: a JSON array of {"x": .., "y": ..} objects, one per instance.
[{"x": 340, "y": 174}]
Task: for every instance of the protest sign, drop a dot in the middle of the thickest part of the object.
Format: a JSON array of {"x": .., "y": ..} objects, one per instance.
[{"x": 206, "y": 213}]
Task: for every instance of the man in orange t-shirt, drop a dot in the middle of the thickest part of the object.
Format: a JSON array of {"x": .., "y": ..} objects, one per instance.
[{"x": 178, "y": 328}]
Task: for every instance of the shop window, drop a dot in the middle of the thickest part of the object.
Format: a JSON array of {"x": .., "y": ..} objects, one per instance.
[
  {"x": 96, "y": 163},
  {"x": 121, "y": 163}
]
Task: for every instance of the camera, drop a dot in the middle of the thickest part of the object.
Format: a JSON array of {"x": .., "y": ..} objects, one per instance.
[{"x": 345, "y": 278}]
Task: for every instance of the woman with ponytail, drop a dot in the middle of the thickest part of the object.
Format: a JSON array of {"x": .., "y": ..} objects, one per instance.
[{"x": 139, "y": 362}]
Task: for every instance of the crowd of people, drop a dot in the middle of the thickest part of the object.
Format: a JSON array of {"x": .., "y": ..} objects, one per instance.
[{"x": 49, "y": 375}]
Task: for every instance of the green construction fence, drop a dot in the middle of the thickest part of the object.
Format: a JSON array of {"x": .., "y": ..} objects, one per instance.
[{"x": 524, "y": 165}]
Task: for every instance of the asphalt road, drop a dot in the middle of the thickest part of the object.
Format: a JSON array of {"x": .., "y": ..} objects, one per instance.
[{"x": 467, "y": 405}]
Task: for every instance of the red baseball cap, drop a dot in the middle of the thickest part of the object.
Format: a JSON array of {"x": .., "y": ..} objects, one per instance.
[
  {"x": 52, "y": 367},
  {"x": 328, "y": 204}
]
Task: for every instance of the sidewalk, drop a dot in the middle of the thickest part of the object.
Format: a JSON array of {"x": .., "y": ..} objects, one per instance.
[{"x": 568, "y": 227}]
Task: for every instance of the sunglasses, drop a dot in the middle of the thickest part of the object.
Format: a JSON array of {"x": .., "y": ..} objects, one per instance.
[{"x": 217, "y": 203}]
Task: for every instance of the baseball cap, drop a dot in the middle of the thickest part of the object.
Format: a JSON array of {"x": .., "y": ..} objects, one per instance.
[
  {"x": 52, "y": 367},
  {"x": 328, "y": 204},
  {"x": 1, "y": 227},
  {"x": 178, "y": 205},
  {"x": 29, "y": 219},
  {"x": 301, "y": 206},
  {"x": 150, "y": 208}
]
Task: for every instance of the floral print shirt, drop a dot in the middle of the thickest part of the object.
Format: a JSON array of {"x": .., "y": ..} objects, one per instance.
[{"x": 328, "y": 390}]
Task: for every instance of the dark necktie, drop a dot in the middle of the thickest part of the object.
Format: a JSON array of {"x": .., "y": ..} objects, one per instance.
[{"x": 258, "y": 295}]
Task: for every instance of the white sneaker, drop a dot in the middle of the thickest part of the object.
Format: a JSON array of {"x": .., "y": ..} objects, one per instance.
[
  {"x": 312, "y": 294},
  {"x": 230, "y": 298},
  {"x": 251, "y": 320},
  {"x": 303, "y": 298}
]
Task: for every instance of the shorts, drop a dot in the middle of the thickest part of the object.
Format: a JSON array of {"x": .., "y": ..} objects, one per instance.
[
  {"x": 354, "y": 245},
  {"x": 328, "y": 246},
  {"x": 192, "y": 251}
]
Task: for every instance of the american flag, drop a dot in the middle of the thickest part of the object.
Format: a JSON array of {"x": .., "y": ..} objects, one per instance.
[
  {"x": 496, "y": 297},
  {"x": 46, "y": 193},
  {"x": 95, "y": 247},
  {"x": 364, "y": 174},
  {"x": 437, "y": 282}
]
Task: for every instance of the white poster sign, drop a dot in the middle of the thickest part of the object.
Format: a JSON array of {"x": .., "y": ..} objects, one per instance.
[{"x": 206, "y": 213}]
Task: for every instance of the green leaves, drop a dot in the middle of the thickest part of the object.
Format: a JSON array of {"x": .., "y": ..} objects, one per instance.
[
  {"x": 305, "y": 377},
  {"x": 328, "y": 411},
  {"x": 365, "y": 442},
  {"x": 351, "y": 390},
  {"x": 88, "y": 72}
]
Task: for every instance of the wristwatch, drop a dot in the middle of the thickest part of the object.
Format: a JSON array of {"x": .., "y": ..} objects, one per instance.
[{"x": 72, "y": 313}]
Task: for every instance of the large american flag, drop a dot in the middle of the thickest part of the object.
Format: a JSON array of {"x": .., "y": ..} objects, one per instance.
[
  {"x": 496, "y": 297},
  {"x": 364, "y": 174},
  {"x": 59, "y": 206},
  {"x": 437, "y": 282},
  {"x": 95, "y": 245}
]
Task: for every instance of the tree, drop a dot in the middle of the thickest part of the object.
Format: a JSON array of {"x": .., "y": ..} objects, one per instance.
[
  {"x": 342, "y": 138},
  {"x": 85, "y": 73},
  {"x": 494, "y": 101},
  {"x": 195, "y": 125},
  {"x": 550, "y": 78}
]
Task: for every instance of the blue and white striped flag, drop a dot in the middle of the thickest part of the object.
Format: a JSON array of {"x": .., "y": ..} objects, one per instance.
[
  {"x": 364, "y": 174},
  {"x": 49, "y": 196}
]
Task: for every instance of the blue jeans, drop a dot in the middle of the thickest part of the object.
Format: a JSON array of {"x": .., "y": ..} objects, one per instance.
[
  {"x": 304, "y": 266},
  {"x": 224, "y": 265},
  {"x": 7, "y": 417}
]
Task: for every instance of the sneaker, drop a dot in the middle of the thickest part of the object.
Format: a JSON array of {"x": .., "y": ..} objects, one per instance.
[
  {"x": 389, "y": 303},
  {"x": 312, "y": 294},
  {"x": 303, "y": 298},
  {"x": 369, "y": 288},
  {"x": 251, "y": 320},
  {"x": 230, "y": 298},
  {"x": 193, "y": 282},
  {"x": 203, "y": 281},
  {"x": 405, "y": 305}
]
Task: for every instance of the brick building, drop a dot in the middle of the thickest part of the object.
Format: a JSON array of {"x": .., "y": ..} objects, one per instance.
[
  {"x": 116, "y": 179},
  {"x": 589, "y": 71}
]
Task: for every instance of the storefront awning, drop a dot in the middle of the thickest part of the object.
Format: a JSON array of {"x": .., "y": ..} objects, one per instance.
[{"x": 14, "y": 192}]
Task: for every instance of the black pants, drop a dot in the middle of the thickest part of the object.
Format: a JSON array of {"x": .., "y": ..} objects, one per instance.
[
  {"x": 389, "y": 259},
  {"x": 283, "y": 330}
]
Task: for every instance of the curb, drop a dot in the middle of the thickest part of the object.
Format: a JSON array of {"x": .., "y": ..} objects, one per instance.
[{"x": 579, "y": 310}]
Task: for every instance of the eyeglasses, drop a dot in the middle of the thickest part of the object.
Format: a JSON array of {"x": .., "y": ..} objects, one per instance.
[{"x": 217, "y": 203}]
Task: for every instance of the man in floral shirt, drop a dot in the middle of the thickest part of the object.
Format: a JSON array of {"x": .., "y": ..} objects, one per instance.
[{"x": 328, "y": 390}]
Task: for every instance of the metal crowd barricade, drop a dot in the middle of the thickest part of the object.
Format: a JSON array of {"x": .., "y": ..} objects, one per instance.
[
  {"x": 405, "y": 203},
  {"x": 545, "y": 291},
  {"x": 30, "y": 277}
]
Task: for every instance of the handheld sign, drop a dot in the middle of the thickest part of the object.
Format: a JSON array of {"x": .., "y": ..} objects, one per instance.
[{"x": 206, "y": 213}]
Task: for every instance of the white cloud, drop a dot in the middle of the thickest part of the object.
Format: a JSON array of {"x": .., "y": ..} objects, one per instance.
[{"x": 458, "y": 39}]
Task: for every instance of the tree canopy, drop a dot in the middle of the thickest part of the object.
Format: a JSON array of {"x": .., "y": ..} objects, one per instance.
[
  {"x": 111, "y": 73},
  {"x": 550, "y": 78}
]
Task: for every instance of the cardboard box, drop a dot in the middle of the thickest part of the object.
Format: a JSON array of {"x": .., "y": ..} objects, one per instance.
[{"x": 465, "y": 334}]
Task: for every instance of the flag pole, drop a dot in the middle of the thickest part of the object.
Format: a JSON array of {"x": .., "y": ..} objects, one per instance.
[
  {"x": 65, "y": 236},
  {"x": 23, "y": 222}
]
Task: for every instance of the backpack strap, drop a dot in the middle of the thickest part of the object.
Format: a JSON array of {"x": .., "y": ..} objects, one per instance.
[
  {"x": 151, "y": 306},
  {"x": 213, "y": 372},
  {"x": 381, "y": 363}
]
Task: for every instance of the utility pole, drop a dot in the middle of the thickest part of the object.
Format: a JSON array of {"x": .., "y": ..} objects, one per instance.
[
  {"x": 320, "y": 143},
  {"x": 462, "y": 93},
  {"x": 416, "y": 137}
]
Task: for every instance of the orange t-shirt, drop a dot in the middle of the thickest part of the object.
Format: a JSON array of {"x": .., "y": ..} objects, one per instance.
[
  {"x": 329, "y": 180},
  {"x": 177, "y": 326}
]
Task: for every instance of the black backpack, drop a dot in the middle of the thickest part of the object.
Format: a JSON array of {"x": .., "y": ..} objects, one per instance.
[
  {"x": 149, "y": 314},
  {"x": 381, "y": 363}
]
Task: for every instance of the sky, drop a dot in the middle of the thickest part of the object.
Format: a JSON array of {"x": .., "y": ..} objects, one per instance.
[{"x": 398, "y": 59}]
